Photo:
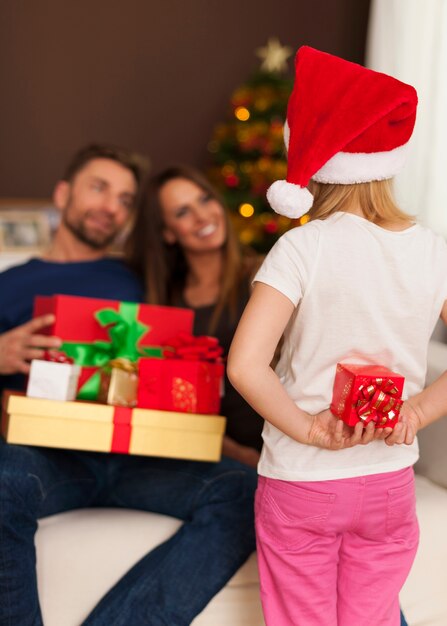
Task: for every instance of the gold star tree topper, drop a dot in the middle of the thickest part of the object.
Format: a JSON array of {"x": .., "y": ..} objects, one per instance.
[{"x": 274, "y": 56}]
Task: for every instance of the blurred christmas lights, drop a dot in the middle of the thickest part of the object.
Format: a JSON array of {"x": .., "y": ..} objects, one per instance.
[
  {"x": 242, "y": 114},
  {"x": 246, "y": 209},
  {"x": 248, "y": 154}
]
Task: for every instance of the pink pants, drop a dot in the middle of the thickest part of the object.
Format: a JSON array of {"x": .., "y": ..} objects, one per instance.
[{"x": 337, "y": 552}]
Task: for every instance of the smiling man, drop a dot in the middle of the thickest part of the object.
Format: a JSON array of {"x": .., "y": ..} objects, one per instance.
[
  {"x": 96, "y": 198},
  {"x": 95, "y": 203},
  {"x": 173, "y": 583}
]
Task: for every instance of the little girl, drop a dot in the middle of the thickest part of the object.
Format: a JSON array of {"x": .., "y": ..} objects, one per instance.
[{"x": 361, "y": 283}]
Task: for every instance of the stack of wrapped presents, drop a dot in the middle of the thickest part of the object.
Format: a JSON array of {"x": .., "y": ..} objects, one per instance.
[{"x": 129, "y": 378}]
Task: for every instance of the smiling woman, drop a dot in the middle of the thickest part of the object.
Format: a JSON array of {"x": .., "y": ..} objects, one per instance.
[
  {"x": 193, "y": 217},
  {"x": 184, "y": 247}
]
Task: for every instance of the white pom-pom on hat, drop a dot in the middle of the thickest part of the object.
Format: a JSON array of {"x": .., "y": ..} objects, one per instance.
[{"x": 288, "y": 199}]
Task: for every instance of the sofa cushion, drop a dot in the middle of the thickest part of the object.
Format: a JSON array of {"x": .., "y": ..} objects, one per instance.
[
  {"x": 82, "y": 554},
  {"x": 424, "y": 598},
  {"x": 433, "y": 439},
  {"x": 76, "y": 565},
  {"x": 433, "y": 453},
  {"x": 437, "y": 360}
]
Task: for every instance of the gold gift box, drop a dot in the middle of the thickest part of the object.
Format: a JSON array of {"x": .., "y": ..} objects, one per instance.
[{"x": 89, "y": 426}]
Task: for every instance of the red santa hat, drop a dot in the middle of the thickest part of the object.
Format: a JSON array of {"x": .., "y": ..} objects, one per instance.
[{"x": 345, "y": 124}]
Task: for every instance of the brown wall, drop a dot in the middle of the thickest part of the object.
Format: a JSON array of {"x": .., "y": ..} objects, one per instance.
[{"x": 151, "y": 75}]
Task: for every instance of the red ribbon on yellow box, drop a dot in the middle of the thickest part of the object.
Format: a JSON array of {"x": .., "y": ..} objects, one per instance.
[{"x": 122, "y": 429}]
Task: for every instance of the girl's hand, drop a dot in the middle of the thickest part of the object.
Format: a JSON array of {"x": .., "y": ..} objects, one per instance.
[
  {"x": 327, "y": 431},
  {"x": 410, "y": 421}
]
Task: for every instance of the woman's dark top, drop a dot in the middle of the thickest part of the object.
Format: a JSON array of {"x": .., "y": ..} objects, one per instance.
[{"x": 244, "y": 425}]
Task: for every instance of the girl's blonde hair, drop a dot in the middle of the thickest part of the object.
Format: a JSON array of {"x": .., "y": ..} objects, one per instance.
[{"x": 374, "y": 198}]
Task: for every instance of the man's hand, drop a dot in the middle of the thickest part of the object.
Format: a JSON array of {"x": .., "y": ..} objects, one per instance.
[
  {"x": 328, "y": 432},
  {"x": 243, "y": 454},
  {"x": 20, "y": 345}
]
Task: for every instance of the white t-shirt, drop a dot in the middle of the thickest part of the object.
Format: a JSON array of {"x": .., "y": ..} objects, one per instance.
[{"x": 362, "y": 294}]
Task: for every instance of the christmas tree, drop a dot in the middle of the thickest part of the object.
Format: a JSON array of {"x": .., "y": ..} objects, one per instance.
[{"x": 247, "y": 150}]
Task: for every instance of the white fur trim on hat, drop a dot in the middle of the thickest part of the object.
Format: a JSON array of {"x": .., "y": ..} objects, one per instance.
[
  {"x": 288, "y": 199},
  {"x": 348, "y": 168}
]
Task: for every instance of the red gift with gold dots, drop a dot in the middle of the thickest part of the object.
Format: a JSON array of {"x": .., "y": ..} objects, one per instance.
[
  {"x": 188, "y": 379},
  {"x": 365, "y": 393}
]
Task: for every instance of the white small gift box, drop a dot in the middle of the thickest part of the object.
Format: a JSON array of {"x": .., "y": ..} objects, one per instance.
[{"x": 52, "y": 380}]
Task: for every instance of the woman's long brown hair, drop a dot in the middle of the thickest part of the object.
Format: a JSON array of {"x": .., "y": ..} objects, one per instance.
[{"x": 163, "y": 267}]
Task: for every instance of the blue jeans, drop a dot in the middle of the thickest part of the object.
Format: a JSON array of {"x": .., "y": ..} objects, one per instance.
[{"x": 167, "y": 587}]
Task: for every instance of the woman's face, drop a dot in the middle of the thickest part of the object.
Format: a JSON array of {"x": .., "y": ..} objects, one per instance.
[{"x": 193, "y": 218}]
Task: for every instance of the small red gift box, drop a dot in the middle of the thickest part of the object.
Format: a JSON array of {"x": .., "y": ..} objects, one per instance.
[
  {"x": 188, "y": 379},
  {"x": 95, "y": 331},
  {"x": 367, "y": 393}
]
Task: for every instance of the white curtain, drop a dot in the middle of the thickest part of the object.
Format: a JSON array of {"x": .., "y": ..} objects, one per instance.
[{"x": 408, "y": 39}]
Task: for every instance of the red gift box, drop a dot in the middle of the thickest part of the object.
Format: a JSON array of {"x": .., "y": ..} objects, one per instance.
[
  {"x": 367, "y": 393},
  {"x": 87, "y": 327},
  {"x": 180, "y": 385}
]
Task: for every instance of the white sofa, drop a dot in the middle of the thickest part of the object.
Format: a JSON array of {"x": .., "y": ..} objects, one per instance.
[
  {"x": 424, "y": 596},
  {"x": 76, "y": 565}
]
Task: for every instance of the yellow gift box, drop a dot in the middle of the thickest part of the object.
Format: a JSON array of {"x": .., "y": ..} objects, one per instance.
[{"x": 104, "y": 428}]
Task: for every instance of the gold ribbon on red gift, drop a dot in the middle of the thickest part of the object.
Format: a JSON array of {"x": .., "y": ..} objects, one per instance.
[
  {"x": 379, "y": 402},
  {"x": 189, "y": 348}
]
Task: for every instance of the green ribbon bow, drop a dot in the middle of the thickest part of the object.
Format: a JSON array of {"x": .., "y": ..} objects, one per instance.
[{"x": 125, "y": 331}]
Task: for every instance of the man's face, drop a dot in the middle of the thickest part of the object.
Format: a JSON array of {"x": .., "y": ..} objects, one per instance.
[{"x": 97, "y": 203}]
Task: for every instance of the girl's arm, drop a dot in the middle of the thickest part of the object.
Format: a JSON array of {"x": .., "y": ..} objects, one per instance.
[
  {"x": 260, "y": 329},
  {"x": 430, "y": 404},
  {"x": 424, "y": 408}
]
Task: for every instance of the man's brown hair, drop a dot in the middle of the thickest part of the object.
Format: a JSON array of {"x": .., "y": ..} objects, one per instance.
[{"x": 136, "y": 163}]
